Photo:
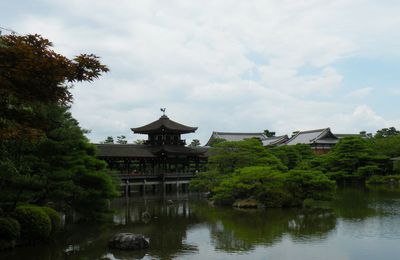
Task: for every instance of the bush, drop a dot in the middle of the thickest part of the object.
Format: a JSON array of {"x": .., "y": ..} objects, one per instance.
[
  {"x": 387, "y": 180},
  {"x": 9, "y": 232},
  {"x": 55, "y": 219},
  {"x": 35, "y": 223}
]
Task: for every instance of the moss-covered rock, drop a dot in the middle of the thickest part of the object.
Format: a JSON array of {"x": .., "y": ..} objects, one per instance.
[{"x": 9, "y": 232}]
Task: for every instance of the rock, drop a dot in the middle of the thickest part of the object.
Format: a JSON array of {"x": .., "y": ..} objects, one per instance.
[
  {"x": 146, "y": 217},
  {"x": 170, "y": 202},
  {"x": 247, "y": 203},
  {"x": 128, "y": 241}
]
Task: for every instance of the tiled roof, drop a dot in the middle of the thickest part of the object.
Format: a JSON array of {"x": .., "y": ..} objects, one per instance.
[
  {"x": 144, "y": 151},
  {"x": 123, "y": 150},
  {"x": 164, "y": 123},
  {"x": 313, "y": 136},
  {"x": 229, "y": 136},
  {"x": 275, "y": 140}
]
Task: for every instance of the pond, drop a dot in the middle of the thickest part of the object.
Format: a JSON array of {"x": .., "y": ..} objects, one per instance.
[{"x": 358, "y": 224}]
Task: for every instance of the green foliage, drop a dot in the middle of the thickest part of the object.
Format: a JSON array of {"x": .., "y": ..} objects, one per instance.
[
  {"x": 228, "y": 156},
  {"x": 55, "y": 169},
  {"x": 194, "y": 143},
  {"x": 386, "y": 132},
  {"x": 293, "y": 155},
  {"x": 9, "y": 232},
  {"x": 109, "y": 140},
  {"x": 308, "y": 185},
  {"x": 121, "y": 139},
  {"x": 55, "y": 219},
  {"x": 388, "y": 179},
  {"x": 386, "y": 146},
  {"x": 35, "y": 223},
  {"x": 352, "y": 156},
  {"x": 32, "y": 76},
  {"x": 214, "y": 141},
  {"x": 268, "y": 133},
  {"x": 44, "y": 155},
  {"x": 205, "y": 181},
  {"x": 273, "y": 188}
]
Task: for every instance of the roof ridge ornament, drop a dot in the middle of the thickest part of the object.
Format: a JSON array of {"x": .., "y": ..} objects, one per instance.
[{"x": 163, "y": 110}]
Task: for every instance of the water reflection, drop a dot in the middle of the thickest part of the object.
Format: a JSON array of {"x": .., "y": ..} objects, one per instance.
[{"x": 168, "y": 222}]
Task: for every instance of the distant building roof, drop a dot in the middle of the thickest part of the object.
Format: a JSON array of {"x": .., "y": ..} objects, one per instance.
[
  {"x": 229, "y": 136},
  {"x": 351, "y": 135},
  {"x": 123, "y": 150},
  {"x": 322, "y": 136},
  {"x": 164, "y": 123},
  {"x": 395, "y": 159},
  {"x": 275, "y": 140}
]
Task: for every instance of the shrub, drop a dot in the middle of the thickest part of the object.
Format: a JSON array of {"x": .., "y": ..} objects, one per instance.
[
  {"x": 388, "y": 179},
  {"x": 35, "y": 223},
  {"x": 55, "y": 218},
  {"x": 9, "y": 232}
]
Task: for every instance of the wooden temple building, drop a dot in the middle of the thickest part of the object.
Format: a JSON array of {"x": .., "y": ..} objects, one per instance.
[{"x": 161, "y": 162}]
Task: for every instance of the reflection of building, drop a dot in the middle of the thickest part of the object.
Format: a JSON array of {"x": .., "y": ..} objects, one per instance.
[{"x": 162, "y": 157}]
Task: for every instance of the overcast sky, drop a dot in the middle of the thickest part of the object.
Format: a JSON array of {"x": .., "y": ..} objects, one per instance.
[{"x": 240, "y": 66}]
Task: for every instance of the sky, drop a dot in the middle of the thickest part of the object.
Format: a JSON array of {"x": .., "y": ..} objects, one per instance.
[{"x": 224, "y": 65}]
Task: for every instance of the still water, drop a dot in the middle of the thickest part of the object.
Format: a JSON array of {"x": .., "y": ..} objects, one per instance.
[{"x": 358, "y": 224}]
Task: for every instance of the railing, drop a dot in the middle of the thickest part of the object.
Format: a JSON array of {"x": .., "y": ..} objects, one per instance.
[{"x": 157, "y": 176}]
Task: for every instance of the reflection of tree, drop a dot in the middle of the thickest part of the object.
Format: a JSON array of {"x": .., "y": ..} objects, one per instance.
[
  {"x": 312, "y": 224},
  {"x": 236, "y": 230},
  {"x": 166, "y": 229},
  {"x": 354, "y": 203}
]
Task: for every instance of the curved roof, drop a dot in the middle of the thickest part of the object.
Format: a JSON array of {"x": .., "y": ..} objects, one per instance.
[
  {"x": 145, "y": 151},
  {"x": 164, "y": 123},
  {"x": 313, "y": 136},
  {"x": 235, "y": 136}
]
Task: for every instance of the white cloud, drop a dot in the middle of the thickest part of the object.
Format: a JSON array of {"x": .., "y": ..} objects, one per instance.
[
  {"x": 360, "y": 93},
  {"x": 220, "y": 65}
]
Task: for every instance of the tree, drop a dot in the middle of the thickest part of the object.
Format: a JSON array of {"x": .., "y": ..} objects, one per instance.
[
  {"x": 44, "y": 155},
  {"x": 194, "y": 143},
  {"x": 386, "y": 132},
  {"x": 349, "y": 158},
  {"x": 139, "y": 141},
  {"x": 293, "y": 155},
  {"x": 214, "y": 141},
  {"x": 32, "y": 76},
  {"x": 268, "y": 133},
  {"x": 228, "y": 156},
  {"x": 121, "y": 139},
  {"x": 108, "y": 140}
]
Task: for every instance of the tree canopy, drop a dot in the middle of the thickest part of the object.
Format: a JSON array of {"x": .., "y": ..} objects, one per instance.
[
  {"x": 33, "y": 75},
  {"x": 45, "y": 156}
]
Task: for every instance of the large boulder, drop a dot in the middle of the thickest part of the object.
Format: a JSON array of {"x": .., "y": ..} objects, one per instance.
[{"x": 128, "y": 241}]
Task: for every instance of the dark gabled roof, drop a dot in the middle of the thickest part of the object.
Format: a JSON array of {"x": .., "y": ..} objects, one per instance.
[
  {"x": 313, "y": 136},
  {"x": 230, "y": 136},
  {"x": 164, "y": 123},
  {"x": 144, "y": 151},
  {"x": 275, "y": 140},
  {"x": 174, "y": 149},
  {"x": 123, "y": 150}
]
